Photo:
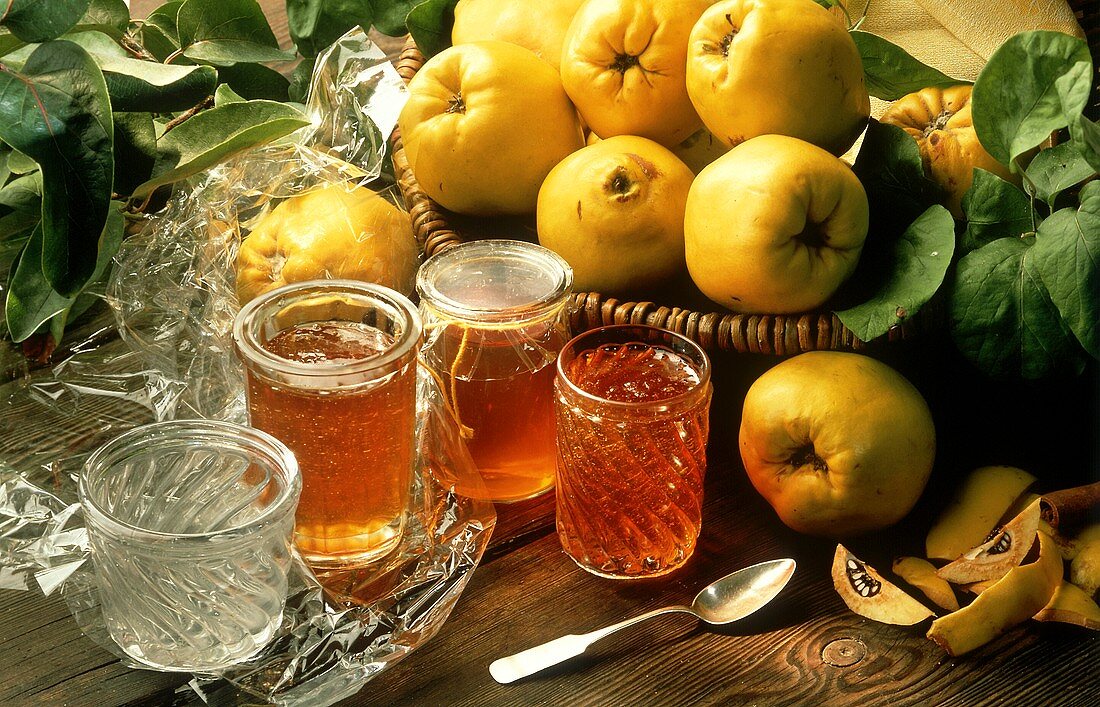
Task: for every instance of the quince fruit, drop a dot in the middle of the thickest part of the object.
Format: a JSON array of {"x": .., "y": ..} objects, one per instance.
[
  {"x": 484, "y": 124},
  {"x": 615, "y": 211},
  {"x": 334, "y": 232},
  {"x": 623, "y": 65},
  {"x": 785, "y": 67},
  {"x": 939, "y": 119},
  {"x": 514, "y": 21},
  {"x": 838, "y": 443},
  {"x": 774, "y": 226}
]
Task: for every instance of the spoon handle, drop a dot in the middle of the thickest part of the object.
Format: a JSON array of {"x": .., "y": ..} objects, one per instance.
[{"x": 532, "y": 660}]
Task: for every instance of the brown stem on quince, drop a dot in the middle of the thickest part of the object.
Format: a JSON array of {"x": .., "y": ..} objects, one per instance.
[
  {"x": 807, "y": 455},
  {"x": 620, "y": 185},
  {"x": 457, "y": 104},
  {"x": 724, "y": 45},
  {"x": 624, "y": 62},
  {"x": 813, "y": 236},
  {"x": 938, "y": 123}
]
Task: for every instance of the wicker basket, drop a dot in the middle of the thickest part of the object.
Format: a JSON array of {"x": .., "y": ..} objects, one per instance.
[{"x": 777, "y": 334}]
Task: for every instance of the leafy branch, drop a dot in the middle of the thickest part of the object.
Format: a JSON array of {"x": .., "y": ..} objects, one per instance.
[{"x": 102, "y": 116}]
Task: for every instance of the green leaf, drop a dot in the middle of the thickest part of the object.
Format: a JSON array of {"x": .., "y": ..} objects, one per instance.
[
  {"x": 430, "y": 24},
  {"x": 994, "y": 209},
  {"x": 23, "y": 194},
  {"x": 135, "y": 150},
  {"x": 18, "y": 163},
  {"x": 58, "y": 113},
  {"x": 31, "y": 301},
  {"x": 42, "y": 20},
  {"x": 1026, "y": 91},
  {"x": 213, "y": 135},
  {"x": 225, "y": 32},
  {"x": 891, "y": 72},
  {"x": 225, "y": 95},
  {"x": 255, "y": 81},
  {"x": 14, "y": 226},
  {"x": 9, "y": 42},
  {"x": 1086, "y": 136},
  {"x": 1002, "y": 316},
  {"x": 917, "y": 264},
  {"x": 390, "y": 16},
  {"x": 315, "y": 24},
  {"x": 1057, "y": 169},
  {"x": 890, "y": 168},
  {"x": 136, "y": 85},
  {"x": 158, "y": 32},
  {"x": 1067, "y": 258},
  {"x": 300, "y": 79},
  {"x": 109, "y": 16}
]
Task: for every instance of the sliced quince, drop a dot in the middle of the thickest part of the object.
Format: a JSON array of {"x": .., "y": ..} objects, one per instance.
[
  {"x": 1005, "y": 548},
  {"x": 982, "y": 500},
  {"x": 1013, "y": 599},
  {"x": 1070, "y": 604},
  {"x": 922, "y": 574},
  {"x": 866, "y": 592},
  {"x": 1084, "y": 568}
]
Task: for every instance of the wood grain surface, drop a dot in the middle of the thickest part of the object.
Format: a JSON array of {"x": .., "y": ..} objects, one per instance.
[{"x": 804, "y": 649}]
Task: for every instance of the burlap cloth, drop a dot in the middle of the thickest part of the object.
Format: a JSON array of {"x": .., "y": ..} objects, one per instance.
[{"x": 958, "y": 36}]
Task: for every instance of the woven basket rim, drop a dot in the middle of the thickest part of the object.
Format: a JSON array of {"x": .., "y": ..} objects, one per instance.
[{"x": 772, "y": 334}]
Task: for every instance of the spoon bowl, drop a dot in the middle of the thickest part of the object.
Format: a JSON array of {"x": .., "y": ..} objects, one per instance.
[
  {"x": 743, "y": 592},
  {"x": 721, "y": 602}
]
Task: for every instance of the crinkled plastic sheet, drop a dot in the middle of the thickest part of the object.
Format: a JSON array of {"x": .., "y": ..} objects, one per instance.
[{"x": 172, "y": 295}]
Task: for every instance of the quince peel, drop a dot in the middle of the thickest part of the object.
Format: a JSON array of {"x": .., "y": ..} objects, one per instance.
[{"x": 1013, "y": 599}]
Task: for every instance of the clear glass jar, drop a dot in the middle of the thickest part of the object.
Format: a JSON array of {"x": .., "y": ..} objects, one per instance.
[
  {"x": 331, "y": 369},
  {"x": 632, "y": 426},
  {"x": 495, "y": 316},
  {"x": 190, "y": 526}
]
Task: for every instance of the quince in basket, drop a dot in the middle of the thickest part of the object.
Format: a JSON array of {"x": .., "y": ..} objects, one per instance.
[
  {"x": 785, "y": 67},
  {"x": 775, "y": 225},
  {"x": 615, "y": 211},
  {"x": 335, "y": 232},
  {"x": 623, "y": 66},
  {"x": 484, "y": 124},
  {"x": 939, "y": 119},
  {"x": 515, "y": 21}
]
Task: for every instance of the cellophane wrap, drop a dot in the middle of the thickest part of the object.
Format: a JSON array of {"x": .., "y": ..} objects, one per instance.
[{"x": 170, "y": 356}]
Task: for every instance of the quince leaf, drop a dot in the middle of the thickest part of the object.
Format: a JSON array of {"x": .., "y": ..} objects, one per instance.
[
  {"x": 917, "y": 264},
  {"x": 213, "y": 135},
  {"x": 1057, "y": 169},
  {"x": 1002, "y": 317},
  {"x": 1035, "y": 83},
  {"x": 889, "y": 167},
  {"x": 315, "y": 24},
  {"x": 430, "y": 24},
  {"x": 1067, "y": 258},
  {"x": 38, "y": 21},
  {"x": 891, "y": 72},
  {"x": 57, "y": 112},
  {"x": 31, "y": 301},
  {"x": 994, "y": 209},
  {"x": 226, "y": 32},
  {"x": 390, "y": 16},
  {"x": 1086, "y": 135}
]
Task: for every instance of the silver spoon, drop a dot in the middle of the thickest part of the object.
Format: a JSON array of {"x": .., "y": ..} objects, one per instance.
[{"x": 724, "y": 601}]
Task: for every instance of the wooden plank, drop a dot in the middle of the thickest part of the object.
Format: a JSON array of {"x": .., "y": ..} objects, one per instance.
[{"x": 777, "y": 657}]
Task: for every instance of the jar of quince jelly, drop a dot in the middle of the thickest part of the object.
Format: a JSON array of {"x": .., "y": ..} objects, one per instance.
[{"x": 495, "y": 317}]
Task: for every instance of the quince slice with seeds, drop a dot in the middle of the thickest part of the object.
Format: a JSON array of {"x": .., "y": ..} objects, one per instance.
[
  {"x": 865, "y": 592},
  {"x": 1004, "y": 549},
  {"x": 1013, "y": 599},
  {"x": 986, "y": 494}
]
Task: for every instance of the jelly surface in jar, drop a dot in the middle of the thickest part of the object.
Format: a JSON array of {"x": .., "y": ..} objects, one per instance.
[
  {"x": 355, "y": 470},
  {"x": 630, "y": 477}
]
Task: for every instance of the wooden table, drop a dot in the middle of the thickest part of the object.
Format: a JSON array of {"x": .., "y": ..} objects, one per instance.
[{"x": 806, "y": 648}]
